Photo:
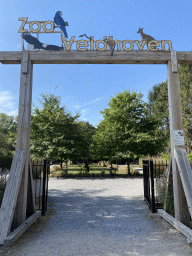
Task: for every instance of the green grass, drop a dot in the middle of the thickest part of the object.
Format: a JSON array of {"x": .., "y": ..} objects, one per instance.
[{"x": 94, "y": 171}]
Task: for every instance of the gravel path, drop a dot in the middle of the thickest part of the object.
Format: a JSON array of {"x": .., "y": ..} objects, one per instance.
[{"x": 98, "y": 217}]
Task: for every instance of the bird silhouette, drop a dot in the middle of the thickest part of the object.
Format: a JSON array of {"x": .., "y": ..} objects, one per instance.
[
  {"x": 38, "y": 45},
  {"x": 32, "y": 40},
  {"x": 60, "y": 22}
]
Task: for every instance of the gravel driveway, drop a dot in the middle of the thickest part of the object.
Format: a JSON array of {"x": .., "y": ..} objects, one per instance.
[{"x": 98, "y": 217}]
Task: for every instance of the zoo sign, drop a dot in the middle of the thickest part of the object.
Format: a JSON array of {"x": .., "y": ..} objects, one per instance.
[{"x": 82, "y": 45}]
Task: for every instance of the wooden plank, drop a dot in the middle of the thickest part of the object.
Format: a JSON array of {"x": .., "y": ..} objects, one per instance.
[
  {"x": 185, "y": 174},
  {"x": 25, "y": 98},
  {"x": 175, "y": 119},
  {"x": 9, "y": 240},
  {"x": 24, "y": 66},
  {"x": 23, "y": 139},
  {"x": 96, "y": 57},
  {"x": 177, "y": 224},
  {"x": 174, "y": 62},
  {"x": 168, "y": 182},
  {"x": 11, "y": 193},
  {"x": 21, "y": 205}
]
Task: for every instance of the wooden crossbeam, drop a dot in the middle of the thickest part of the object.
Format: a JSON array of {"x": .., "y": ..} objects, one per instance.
[{"x": 96, "y": 57}]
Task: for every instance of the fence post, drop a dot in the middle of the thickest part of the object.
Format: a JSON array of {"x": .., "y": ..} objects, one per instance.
[
  {"x": 66, "y": 172},
  {"x": 152, "y": 187},
  {"x": 146, "y": 183},
  {"x": 110, "y": 171},
  {"x": 47, "y": 177},
  {"x": 44, "y": 180}
]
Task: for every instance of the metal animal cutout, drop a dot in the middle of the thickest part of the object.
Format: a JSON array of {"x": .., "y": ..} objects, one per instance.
[
  {"x": 111, "y": 44},
  {"x": 146, "y": 37},
  {"x": 86, "y": 36},
  {"x": 61, "y": 23},
  {"x": 38, "y": 45}
]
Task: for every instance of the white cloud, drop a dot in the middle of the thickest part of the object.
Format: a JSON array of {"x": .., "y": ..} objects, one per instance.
[
  {"x": 7, "y": 104},
  {"x": 13, "y": 113},
  {"x": 83, "y": 112},
  {"x": 96, "y": 100},
  {"x": 77, "y": 106}
]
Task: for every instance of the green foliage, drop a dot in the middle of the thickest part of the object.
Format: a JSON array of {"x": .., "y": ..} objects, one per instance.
[
  {"x": 7, "y": 128},
  {"x": 84, "y": 137},
  {"x": 127, "y": 130},
  {"x": 52, "y": 130},
  {"x": 190, "y": 158},
  {"x": 56, "y": 134},
  {"x": 166, "y": 156},
  {"x": 158, "y": 105}
]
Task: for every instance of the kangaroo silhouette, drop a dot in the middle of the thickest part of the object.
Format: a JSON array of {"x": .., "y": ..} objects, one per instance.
[{"x": 145, "y": 37}]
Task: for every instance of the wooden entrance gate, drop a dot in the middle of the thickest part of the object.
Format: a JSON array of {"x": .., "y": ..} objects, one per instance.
[{"x": 19, "y": 195}]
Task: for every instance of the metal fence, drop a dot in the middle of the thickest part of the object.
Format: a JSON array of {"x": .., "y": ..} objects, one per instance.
[
  {"x": 152, "y": 172},
  {"x": 40, "y": 170}
]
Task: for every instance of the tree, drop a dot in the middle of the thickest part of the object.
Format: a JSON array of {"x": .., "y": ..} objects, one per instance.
[
  {"x": 84, "y": 132},
  {"x": 52, "y": 130},
  {"x": 185, "y": 77},
  {"x": 131, "y": 130},
  {"x": 7, "y": 128},
  {"x": 158, "y": 104},
  {"x": 102, "y": 147}
]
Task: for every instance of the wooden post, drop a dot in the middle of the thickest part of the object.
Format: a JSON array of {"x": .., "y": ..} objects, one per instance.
[
  {"x": 175, "y": 118},
  {"x": 14, "y": 207}
]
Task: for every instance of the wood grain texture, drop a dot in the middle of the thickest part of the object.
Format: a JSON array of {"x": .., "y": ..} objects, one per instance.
[
  {"x": 168, "y": 182},
  {"x": 21, "y": 229},
  {"x": 185, "y": 174},
  {"x": 11, "y": 194},
  {"x": 23, "y": 137},
  {"x": 174, "y": 62},
  {"x": 24, "y": 67},
  {"x": 96, "y": 57},
  {"x": 175, "y": 223},
  {"x": 175, "y": 119},
  {"x": 14, "y": 205}
]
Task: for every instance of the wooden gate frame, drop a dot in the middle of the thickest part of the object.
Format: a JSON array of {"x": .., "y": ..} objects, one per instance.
[{"x": 18, "y": 200}]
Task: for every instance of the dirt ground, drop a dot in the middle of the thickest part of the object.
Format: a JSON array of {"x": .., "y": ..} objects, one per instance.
[{"x": 99, "y": 217}]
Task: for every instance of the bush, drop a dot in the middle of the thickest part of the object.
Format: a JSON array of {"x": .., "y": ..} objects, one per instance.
[
  {"x": 190, "y": 158},
  {"x": 102, "y": 173},
  {"x": 166, "y": 156},
  {"x": 56, "y": 168}
]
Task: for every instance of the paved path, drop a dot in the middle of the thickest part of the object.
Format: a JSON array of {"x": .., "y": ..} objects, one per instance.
[{"x": 98, "y": 217}]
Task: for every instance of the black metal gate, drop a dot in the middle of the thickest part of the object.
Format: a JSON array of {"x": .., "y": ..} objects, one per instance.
[
  {"x": 41, "y": 170},
  {"x": 148, "y": 184},
  {"x": 152, "y": 173}
]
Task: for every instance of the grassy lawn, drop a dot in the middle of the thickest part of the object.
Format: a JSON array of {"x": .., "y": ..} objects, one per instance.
[{"x": 94, "y": 171}]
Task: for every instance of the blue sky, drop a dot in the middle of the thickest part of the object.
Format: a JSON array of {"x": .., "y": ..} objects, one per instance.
[{"x": 88, "y": 88}]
